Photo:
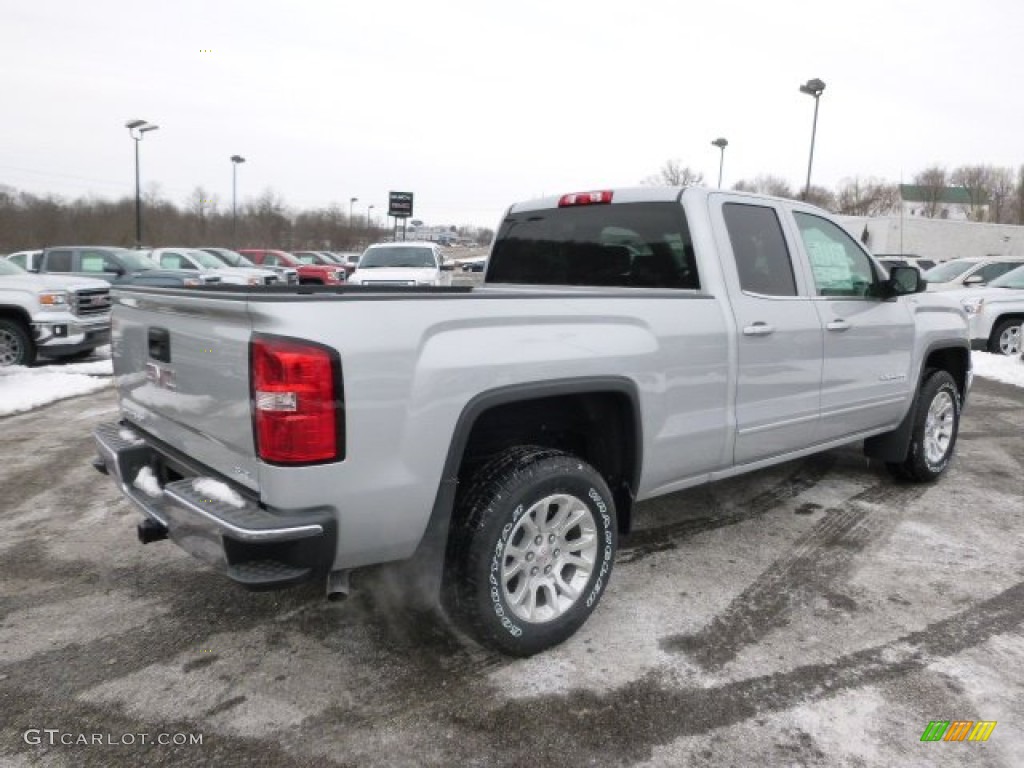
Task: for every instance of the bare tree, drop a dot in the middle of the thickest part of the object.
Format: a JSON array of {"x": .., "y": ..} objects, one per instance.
[
  {"x": 674, "y": 174},
  {"x": 866, "y": 197},
  {"x": 932, "y": 183},
  {"x": 1000, "y": 196},
  {"x": 766, "y": 184},
  {"x": 975, "y": 180}
]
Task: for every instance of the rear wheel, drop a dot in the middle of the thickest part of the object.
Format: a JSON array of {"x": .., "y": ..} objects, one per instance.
[
  {"x": 16, "y": 347},
  {"x": 936, "y": 424},
  {"x": 1006, "y": 337},
  {"x": 532, "y": 550}
]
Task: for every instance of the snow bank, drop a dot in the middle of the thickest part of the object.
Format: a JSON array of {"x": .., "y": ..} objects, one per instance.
[
  {"x": 22, "y": 389},
  {"x": 1009, "y": 370}
]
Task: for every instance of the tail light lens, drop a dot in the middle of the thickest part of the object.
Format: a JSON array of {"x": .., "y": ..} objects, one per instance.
[{"x": 297, "y": 399}]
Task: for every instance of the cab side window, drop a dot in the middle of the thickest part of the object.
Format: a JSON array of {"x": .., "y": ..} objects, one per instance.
[
  {"x": 992, "y": 271},
  {"x": 762, "y": 257},
  {"x": 839, "y": 265},
  {"x": 58, "y": 261}
]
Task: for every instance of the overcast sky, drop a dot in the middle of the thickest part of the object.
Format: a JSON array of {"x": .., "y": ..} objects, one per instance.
[{"x": 473, "y": 105}]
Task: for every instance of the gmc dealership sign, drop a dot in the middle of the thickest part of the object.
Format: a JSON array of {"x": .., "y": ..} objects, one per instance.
[{"x": 400, "y": 204}]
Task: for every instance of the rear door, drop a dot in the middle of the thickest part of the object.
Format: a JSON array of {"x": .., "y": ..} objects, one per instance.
[
  {"x": 869, "y": 342},
  {"x": 779, "y": 343}
]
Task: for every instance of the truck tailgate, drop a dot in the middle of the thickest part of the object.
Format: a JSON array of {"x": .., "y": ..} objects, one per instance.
[{"x": 181, "y": 366}]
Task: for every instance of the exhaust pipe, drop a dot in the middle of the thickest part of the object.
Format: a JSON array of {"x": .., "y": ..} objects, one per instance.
[
  {"x": 150, "y": 530},
  {"x": 337, "y": 585}
]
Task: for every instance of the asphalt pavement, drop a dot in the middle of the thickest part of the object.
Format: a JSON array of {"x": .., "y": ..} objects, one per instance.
[{"x": 816, "y": 613}]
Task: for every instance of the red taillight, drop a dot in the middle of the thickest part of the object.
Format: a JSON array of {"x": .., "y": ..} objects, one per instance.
[
  {"x": 298, "y": 415},
  {"x": 585, "y": 198}
]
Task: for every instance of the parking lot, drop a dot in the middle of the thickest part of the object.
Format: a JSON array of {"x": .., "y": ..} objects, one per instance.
[{"x": 816, "y": 613}]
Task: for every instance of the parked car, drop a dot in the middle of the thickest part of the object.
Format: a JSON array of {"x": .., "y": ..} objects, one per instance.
[
  {"x": 119, "y": 266},
  {"x": 195, "y": 260},
  {"x": 995, "y": 313},
  {"x": 408, "y": 263},
  {"x": 323, "y": 258},
  {"x": 907, "y": 258},
  {"x": 473, "y": 265},
  {"x": 309, "y": 274},
  {"x": 348, "y": 259},
  {"x": 288, "y": 275},
  {"x": 54, "y": 316},
  {"x": 963, "y": 273},
  {"x": 27, "y": 260},
  {"x": 624, "y": 346}
]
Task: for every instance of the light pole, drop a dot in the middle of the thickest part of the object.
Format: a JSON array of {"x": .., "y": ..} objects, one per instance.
[
  {"x": 351, "y": 201},
  {"x": 813, "y": 88},
  {"x": 368, "y": 209},
  {"x": 721, "y": 144},
  {"x": 236, "y": 160},
  {"x": 135, "y": 129}
]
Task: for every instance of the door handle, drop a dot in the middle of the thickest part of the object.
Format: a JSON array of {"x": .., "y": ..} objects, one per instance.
[
  {"x": 838, "y": 325},
  {"x": 759, "y": 329}
]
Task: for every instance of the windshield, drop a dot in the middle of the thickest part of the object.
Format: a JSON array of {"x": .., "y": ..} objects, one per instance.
[
  {"x": 306, "y": 257},
  {"x": 207, "y": 260},
  {"x": 10, "y": 268},
  {"x": 391, "y": 256},
  {"x": 943, "y": 273},
  {"x": 137, "y": 262},
  {"x": 231, "y": 258},
  {"x": 1012, "y": 279}
]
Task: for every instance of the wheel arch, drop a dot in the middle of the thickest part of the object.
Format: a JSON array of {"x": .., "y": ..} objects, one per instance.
[
  {"x": 953, "y": 358},
  {"x": 590, "y": 395}
]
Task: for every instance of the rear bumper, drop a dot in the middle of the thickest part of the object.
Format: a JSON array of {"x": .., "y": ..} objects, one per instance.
[{"x": 259, "y": 548}]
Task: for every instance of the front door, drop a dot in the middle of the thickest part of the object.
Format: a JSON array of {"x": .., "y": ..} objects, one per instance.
[{"x": 869, "y": 342}]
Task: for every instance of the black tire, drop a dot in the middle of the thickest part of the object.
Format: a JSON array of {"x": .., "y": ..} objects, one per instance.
[
  {"x": 16, "y": 347},
  {"x": 496, "y": 516},
  {"x": 931, "y": 444},
  {"x": 1011, "y": 345}
]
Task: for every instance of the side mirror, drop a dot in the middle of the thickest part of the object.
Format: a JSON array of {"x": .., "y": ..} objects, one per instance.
[
  {"x": 447, "y": 267},
  {"x": 906, "y": 280},
  {"x": 974, "y": 280}
]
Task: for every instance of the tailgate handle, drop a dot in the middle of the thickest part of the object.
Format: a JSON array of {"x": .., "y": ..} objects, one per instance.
[{"x": 160, "y": 344}]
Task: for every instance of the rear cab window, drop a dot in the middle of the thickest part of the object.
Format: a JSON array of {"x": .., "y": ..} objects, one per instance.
[
  {"x": 58, "y": 261},
  {"x": 763, "y": 261},
  {"x": 628, "y": 245}
]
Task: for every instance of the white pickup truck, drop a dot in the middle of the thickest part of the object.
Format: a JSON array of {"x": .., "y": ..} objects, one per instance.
[
  {"x": 625, "y": 344},
  {"x": 55, "y": 316}
]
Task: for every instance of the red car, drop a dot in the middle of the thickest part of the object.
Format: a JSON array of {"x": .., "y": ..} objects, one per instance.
[{"x": 308, "y": 273}]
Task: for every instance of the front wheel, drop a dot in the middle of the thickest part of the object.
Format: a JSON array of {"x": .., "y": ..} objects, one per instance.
[
  {"x": 531, "y": 551},
  {"x": 16, "y": 347},
  {"x": 936, "y": 424},
  {"x": 1006, "y": 338}
]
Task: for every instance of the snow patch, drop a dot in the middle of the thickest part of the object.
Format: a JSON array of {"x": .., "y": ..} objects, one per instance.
[
  {"x": 146, "y": 482},
  {"x": 130, "y": 437},
  {"x": 215, "y": 489},
  {"x": 1008, "y": 370},
  {"x": 22, "y": 389}
]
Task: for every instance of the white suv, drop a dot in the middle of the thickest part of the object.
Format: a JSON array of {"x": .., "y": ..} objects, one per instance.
[{"x": 965, "y": 273}]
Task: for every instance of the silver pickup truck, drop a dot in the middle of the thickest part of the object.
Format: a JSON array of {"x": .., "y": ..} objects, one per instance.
[{"x": 625, "y": 344}]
